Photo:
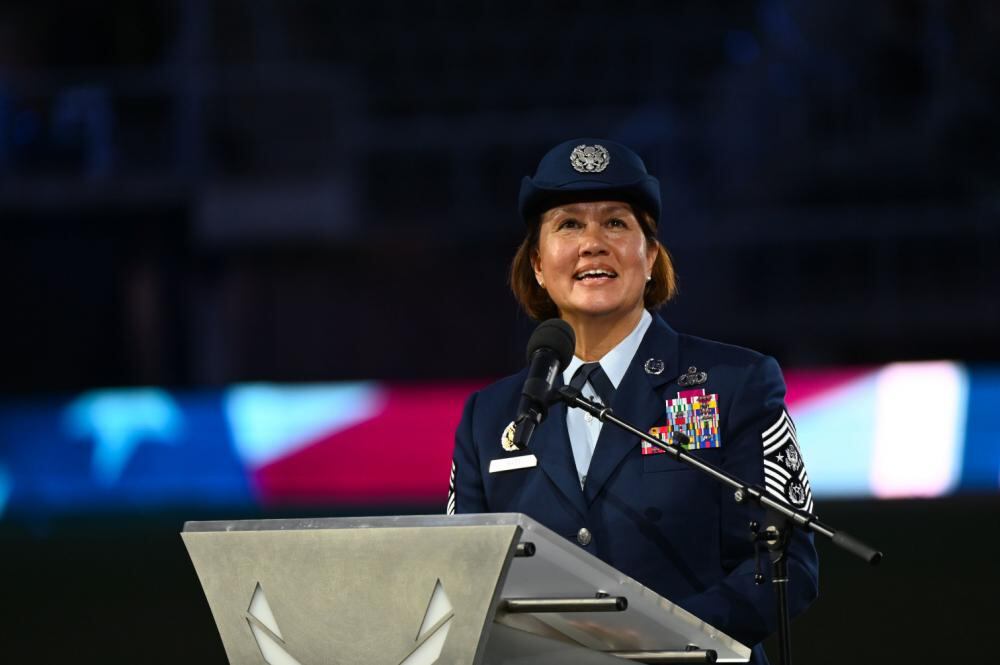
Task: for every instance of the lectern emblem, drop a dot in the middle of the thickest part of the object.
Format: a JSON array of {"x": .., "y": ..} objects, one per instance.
[
  {"x": 433, "y": 632},
  {"x": 265, "y": 631},
  {"x": 427, "y": 647}
]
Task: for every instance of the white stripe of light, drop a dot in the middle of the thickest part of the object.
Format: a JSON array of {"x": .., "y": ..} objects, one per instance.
[
  {"x": 921, "y": 409},
  {"x": 836, "y": 432},
  {"x": 270, "y": 421}
]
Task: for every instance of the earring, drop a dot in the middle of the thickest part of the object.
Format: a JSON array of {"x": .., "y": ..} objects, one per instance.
[{"x": 649, "y": 278}]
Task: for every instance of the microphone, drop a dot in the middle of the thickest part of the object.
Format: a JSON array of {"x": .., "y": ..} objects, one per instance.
[{"x": 550, "y": 349}]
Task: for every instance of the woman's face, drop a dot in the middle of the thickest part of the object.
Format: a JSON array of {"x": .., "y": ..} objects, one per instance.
[{"x": 593, "y": 259}]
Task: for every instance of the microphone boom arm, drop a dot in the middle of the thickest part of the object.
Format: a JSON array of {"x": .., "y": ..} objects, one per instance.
[
  {"x": 742, "y": 491},
  {"x": 775, "y": 536}
]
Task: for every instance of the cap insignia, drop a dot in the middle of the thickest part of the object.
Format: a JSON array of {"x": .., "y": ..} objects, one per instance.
[{"x": 590, "y": 158}]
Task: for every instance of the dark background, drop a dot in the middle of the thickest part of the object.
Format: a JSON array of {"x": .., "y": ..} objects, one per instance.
[{"x": 199, "y": 192}]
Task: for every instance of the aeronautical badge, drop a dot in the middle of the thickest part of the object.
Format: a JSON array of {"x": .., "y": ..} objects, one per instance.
[
  {"x": 692, "y": 378},
  {"x": 784, "y": 471},
  {"x": 507, "y": 438},
  {"x": 694, "y": 414},
  {"x": 590, "y": 158}
]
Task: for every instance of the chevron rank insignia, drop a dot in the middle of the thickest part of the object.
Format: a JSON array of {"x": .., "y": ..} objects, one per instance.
[
  {"x": 694, "y": 414},
  {"x": 784, "y": 471}
]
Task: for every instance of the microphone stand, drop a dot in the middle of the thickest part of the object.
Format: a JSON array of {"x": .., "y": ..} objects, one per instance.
[{"x": 782, "y": 518}]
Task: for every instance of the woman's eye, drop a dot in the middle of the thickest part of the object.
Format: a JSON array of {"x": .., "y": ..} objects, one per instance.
[
  {"x": 569, "y": 224},
  {"x": 617, "y": 223}
]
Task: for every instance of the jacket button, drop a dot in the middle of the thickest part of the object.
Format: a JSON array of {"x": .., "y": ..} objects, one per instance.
[{"x": 583, "y": 536}]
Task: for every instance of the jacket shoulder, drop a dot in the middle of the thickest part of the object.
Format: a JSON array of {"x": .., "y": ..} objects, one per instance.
[
  {"x": 498, "y": 400},
  {"x": 505, "y": 387},
  {"x": 718, "y": 352}
]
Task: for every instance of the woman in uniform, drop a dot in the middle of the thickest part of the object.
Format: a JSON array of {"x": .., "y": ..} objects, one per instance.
[{"x": 591, "y": 257}]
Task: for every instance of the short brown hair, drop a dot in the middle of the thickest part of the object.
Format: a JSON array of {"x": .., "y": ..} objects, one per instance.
[{"x": 536, "y": 300}]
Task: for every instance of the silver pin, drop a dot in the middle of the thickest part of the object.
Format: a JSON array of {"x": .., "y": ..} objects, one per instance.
[
  {"x": 654, "y": 366},
  {"x": 693, "y": 377},
  {"x": 589, "y": 158}
]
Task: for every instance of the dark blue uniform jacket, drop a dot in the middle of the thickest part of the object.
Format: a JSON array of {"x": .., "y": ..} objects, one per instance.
[{"x": 665, "y": 525}]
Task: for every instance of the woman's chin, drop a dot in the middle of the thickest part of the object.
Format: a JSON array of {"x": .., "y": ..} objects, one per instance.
[{"x": 596, "y": 309}]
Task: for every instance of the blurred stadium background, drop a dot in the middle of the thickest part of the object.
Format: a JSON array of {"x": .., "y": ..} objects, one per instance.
[{"x": 254, "y": 257}]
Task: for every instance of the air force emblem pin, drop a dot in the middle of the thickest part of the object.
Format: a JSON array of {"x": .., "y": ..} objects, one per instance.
[{"x": 590, "y": 158}]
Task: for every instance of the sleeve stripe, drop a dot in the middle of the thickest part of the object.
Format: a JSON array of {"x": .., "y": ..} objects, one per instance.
[
  {"x": 770, "y": 468},
  {"x": 776, "y": 487},
  {"x": 770, "y": 448},
  {"x": 450, "y": 509},
  {"x": 792, "y": 488},
  {"x": 782, "y": 419},
  {"x": 776, "y": 440}
]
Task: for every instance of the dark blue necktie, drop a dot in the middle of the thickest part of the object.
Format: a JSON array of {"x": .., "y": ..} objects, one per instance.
[{"x": 592, "y": 372}]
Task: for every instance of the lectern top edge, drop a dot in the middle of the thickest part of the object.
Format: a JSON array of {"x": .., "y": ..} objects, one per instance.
[{"x": 399, "y": 521}]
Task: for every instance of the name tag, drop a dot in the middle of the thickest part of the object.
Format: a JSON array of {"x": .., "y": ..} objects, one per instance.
[{"x": 511, "y": 463}]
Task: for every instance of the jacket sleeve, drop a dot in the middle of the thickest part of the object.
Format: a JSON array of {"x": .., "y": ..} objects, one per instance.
[
  {"x": 465, "y": 489},
  {"x": 761, "y": 450}
]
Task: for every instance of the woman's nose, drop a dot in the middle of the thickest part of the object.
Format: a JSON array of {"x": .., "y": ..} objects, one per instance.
[{"x": 592, "y": 241}]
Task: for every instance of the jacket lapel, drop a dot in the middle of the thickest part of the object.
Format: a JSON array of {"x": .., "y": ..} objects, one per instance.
[
  {"x": 638, "y": 401},
  {"x": 551, "y": 446}
]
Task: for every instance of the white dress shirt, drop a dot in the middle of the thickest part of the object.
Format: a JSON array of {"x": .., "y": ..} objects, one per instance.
[{"x": 582, "y": 427}]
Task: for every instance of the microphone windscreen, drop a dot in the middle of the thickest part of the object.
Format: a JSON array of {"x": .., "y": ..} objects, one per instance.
[{"x": 554, "y": 334}]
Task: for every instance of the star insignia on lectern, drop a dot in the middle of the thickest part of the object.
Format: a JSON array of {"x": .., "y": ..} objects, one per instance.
[{"x": 507, "y": 438}]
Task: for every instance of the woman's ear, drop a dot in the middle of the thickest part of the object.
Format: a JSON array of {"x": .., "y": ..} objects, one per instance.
[{"x": 536, "y": 265}]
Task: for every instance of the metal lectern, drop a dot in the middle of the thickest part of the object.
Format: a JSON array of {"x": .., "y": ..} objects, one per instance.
[{"x": 488, "y": 589}]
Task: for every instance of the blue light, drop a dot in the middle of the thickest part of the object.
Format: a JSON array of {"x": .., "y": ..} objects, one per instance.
[
  {"x": 5, "y": 488},
  {"x": 118, "y": 422}
]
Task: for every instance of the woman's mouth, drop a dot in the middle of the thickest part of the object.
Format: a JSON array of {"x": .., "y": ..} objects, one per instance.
[{"x": 595, "y": 275}]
